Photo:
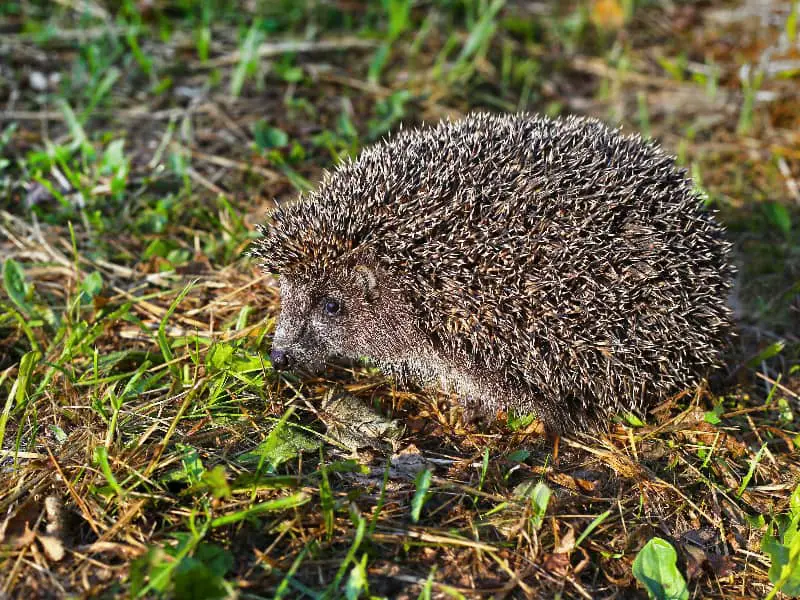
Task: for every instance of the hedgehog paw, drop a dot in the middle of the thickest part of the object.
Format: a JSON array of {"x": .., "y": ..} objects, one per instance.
[{"x": 473, "y": 412}]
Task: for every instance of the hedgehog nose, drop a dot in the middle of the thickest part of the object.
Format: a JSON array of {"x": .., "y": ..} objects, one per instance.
[{"x": 281, "y": 360}]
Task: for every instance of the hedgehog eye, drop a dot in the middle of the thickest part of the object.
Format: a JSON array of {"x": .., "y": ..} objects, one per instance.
[{"x": 332, "y": 307}]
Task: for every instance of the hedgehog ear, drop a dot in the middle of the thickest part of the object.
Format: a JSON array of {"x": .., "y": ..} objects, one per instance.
[{"x": 368, "y": 280}]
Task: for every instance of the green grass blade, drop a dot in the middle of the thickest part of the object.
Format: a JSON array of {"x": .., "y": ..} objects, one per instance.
[{"x": 279, "y": 504}]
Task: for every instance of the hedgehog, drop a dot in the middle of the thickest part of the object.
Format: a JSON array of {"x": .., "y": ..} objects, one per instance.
[{"x": 527, "y": 265}]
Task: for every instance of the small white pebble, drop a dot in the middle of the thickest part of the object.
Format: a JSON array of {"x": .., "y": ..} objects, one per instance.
[{"x": 37, "y": 81}]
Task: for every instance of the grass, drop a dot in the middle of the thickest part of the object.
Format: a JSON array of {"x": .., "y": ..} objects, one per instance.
[{"x": 147, "y": 447}]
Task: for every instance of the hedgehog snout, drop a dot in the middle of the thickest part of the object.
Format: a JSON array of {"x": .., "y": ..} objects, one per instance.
[{"x": 281, "y": 359}]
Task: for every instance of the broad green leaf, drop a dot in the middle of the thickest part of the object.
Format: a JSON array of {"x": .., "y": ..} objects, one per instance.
[
  {"x": 192, "y": 467},
  {"x": 200, "y": 576},
  {"x": 217, "y": 559},
  {"x": 784, "y": 571},
  {"x": 192, "y": 580},
  {"x": 712, "y": 416},
  {"x": 655, "y": 567},
  {"x": 519, "y": 456},
  {"x": 16, "y": 287},
  {"x": 784, "y": 549},
  {"x": 540, "y": 499},
  {"x": 59, "y": 434},
  {"x": 283, "y": 443},
  {"x": 539, "y": 495},
  {"x": 518, "y": 422},
  {"x": 219, "y": 356},
  {"x": 269, "y": 137},
  {"x": 225, "y": 357},
  {"x": 756, "y": 521},
  {"x": 91, "y": 285},
  {"x": 157, "y": 247}
]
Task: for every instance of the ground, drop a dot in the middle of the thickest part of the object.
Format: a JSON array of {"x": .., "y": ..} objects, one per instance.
[{"x": 147, "y": 447}]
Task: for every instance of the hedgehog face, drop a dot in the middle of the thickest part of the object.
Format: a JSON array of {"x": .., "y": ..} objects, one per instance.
[{"x": 350, "y": 314}]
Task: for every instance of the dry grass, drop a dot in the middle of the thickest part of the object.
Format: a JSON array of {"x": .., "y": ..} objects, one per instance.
[{"x": 146, "y": 443}]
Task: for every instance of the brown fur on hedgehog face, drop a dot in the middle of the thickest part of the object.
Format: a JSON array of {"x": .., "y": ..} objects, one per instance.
[{"x": 350, "y": 313}]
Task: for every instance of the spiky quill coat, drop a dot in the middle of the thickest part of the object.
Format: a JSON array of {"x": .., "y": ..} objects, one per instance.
[{"x": 569, "y": 267}]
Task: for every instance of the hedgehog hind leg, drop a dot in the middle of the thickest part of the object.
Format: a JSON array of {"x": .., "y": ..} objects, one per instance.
[
  {"x": 476, "y": 410},
  {"x": 484, "y": 405},
  {"x": 472, "y": 413},
  {"x": 557, "y": 415}
]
